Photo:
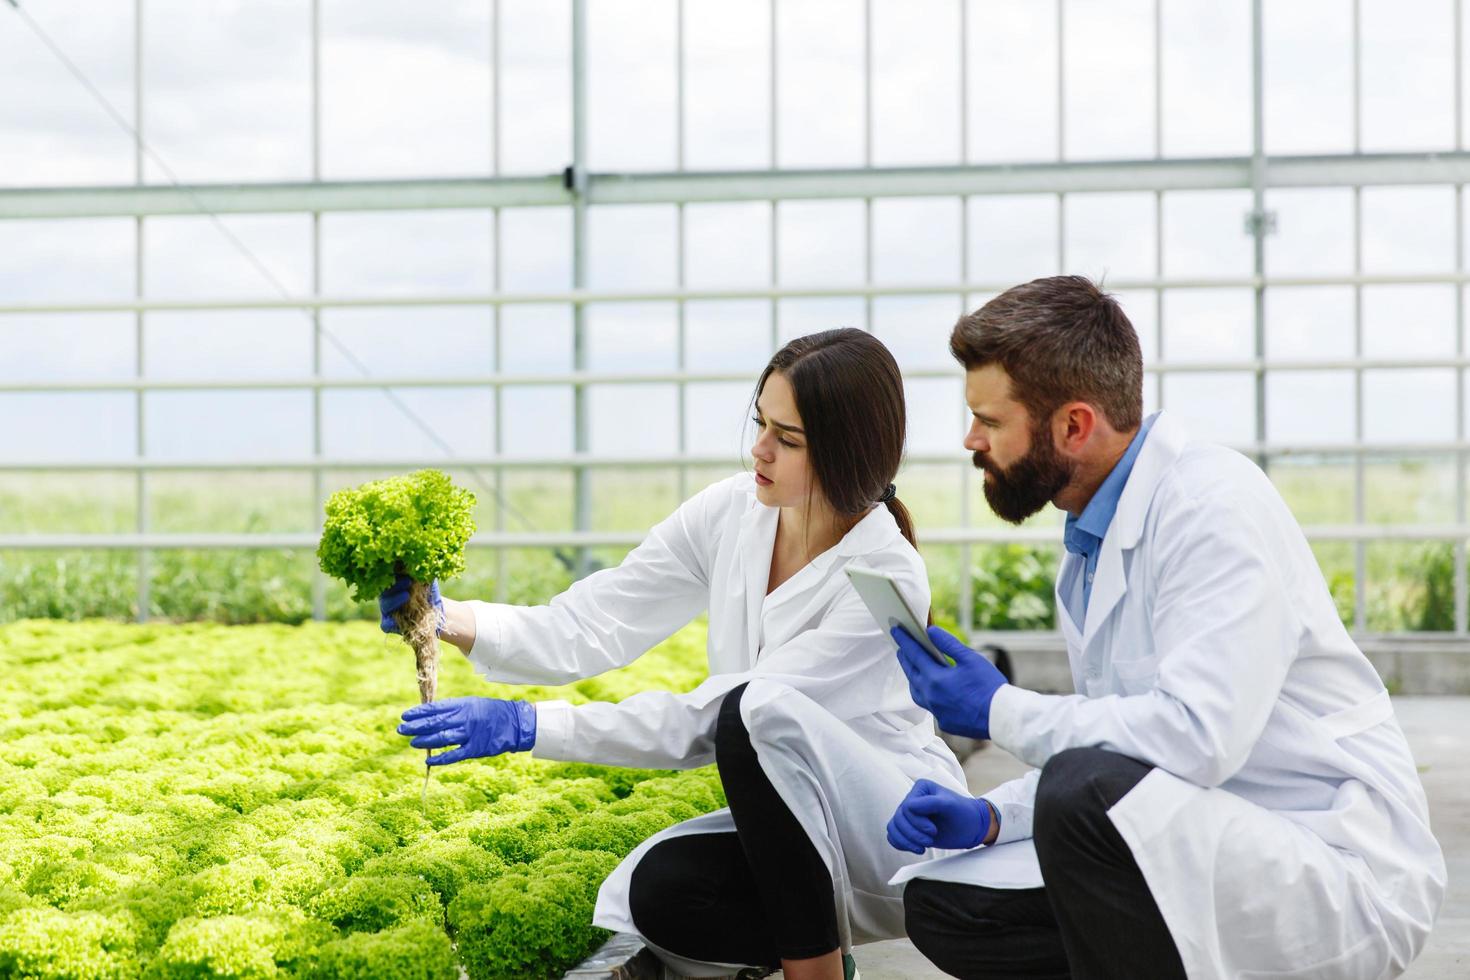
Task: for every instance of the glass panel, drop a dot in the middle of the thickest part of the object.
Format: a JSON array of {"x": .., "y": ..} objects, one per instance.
[
  {"x": 1408, "y": 229},
  {"x": 68, "y": 425},
  {"x": 535, "y": 249},
  {"x": 1413, "y": 490},
  {"x": 365, "y": 423},
  {"x": 1141, "y": 306},
  {"x": 819, "y": 83},
  {"x": 631, "y": 246},
  {"x": 1409, "y": 405},
  {"x": 1408, "y": 74},
  {"x": 230, "y": 344},
  {"x": 937, "y": 416},
  {"x": 189, "y": 257},
  {"x": 1209, "y": 324},
  {"x": 632, "y": 337},
  {"x": 632, "y": 499},
  {"x": 1314, "y": 232},
  {"x": 1308, "y": 74},
  {"x": 1013, "y": 239},
  {"x": 916, "y": 82},
  {"x": 916, "y": 329},
  {"x": 1012, "y": 77},
  {"x": 1408, "y": 321},
  {"x": 422, "y": 340},
  {"x": 234, "y": 501},
  {"x": 1109, "y": 79},
  {"x": 1309, "y": 322},
  {"x": 76, "y": 260},
  {"x": 717, "y": 421},
  {"x": 228, "y": 424},
  {"x": 406, "y": 253},
  {"x": 536, "y": 86},
  {"x": 798, "y": 317},
  {"x": 227, "y": 90},
  {"x": 1205, "y": 236},
  {"x": 733, "y": 335},
  {"x": 727, "y": 245},
  {"x": 535, "y": 339},
  {"x": 65, "y": 502},
  {"x": 67, "y": 346},
  {"x": 727, "y": 86},
  {"x": 633, "y": 420},
  {"x": 1318, "y": 491},
  {"x": 538, "y": 421},
  {"x": 916, "y": 240},
  {"x": 632, "y": 74},
  {"x": 58, "y": 134},
  {"x": 820, "y": 242},
  {"x": 1214, "y": 407},
  {"x": 406, "y": 92},
  {"x": 1294, "y": 407},
  {"x": 1111, "y": 235},
  {"x": 1207, "y": 79}
]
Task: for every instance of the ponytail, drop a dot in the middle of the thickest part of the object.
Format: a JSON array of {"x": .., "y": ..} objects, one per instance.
[{"x": 905, "y": 523}]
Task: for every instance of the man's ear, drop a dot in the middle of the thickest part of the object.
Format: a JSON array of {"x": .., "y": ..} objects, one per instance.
[{"x": 1073, "y": 425}]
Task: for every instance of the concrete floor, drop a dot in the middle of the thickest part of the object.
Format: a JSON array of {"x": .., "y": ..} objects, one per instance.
[{"x": 1439, "y": 733}]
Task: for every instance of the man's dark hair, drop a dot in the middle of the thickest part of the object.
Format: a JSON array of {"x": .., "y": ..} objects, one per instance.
[{"x": 1060, "y": 339}]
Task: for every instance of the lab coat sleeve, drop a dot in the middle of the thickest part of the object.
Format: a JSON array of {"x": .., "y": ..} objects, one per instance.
[
  {"x": 1015, "y": 801},
  {"x": 1225, "y": 633},
  {"x": 610, "y": 618},
  {"x": 845, "y": 663}
]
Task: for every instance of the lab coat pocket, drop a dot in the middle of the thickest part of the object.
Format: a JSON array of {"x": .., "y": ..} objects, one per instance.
[{"x": 1135, "y": 676}]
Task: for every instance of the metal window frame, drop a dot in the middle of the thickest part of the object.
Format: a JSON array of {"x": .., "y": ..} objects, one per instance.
[{"x": 579, "y": 189}]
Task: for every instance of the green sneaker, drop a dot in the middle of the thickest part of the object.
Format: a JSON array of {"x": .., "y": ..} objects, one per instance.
[{"x": 849, "y": 968}]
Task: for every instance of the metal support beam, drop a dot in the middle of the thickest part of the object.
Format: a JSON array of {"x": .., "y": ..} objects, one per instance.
[{"x": 1363, "y": 170}]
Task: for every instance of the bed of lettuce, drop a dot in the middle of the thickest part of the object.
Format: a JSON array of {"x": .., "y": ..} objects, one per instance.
[{"x": 232, "y": 801}]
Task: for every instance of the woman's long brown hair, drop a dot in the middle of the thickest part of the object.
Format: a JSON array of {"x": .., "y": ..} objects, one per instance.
[{"x": 849, "y": 393}]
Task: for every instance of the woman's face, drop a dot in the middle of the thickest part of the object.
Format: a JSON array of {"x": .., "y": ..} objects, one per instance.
[{"x": 782, "y": 474}]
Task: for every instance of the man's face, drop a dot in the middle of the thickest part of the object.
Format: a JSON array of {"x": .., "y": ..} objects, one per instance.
[{"x": 1023, "y": 469}]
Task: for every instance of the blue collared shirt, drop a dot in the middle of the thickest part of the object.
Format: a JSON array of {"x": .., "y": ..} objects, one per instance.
[{"x": 1085, "y": 532}]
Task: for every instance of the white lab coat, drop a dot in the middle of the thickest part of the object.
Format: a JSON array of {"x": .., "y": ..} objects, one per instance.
[
  {"x": 1284, "y": 830},
  {"x": 828, "y": 707}
]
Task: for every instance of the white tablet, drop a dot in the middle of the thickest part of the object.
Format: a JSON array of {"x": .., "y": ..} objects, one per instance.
[{"x": 880, "y": 594}]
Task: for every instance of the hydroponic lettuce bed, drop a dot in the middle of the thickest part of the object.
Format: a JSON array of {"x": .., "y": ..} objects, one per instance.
[{"x": 232, "y": 801}]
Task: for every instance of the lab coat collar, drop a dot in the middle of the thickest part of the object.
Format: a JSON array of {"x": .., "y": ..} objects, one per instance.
[{"x": 1160, "y": 449}]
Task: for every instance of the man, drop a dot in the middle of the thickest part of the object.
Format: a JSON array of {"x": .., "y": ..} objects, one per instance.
[{"x": 1228, "y": 793}]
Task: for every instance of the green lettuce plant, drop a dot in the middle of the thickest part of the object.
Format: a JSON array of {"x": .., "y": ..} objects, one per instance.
[
  {"x": 414, "y": 525},
  {"x": 211, "y": 801}
]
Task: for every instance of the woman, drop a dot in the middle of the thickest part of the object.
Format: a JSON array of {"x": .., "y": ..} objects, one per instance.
[{"x": 806, "y": 711}]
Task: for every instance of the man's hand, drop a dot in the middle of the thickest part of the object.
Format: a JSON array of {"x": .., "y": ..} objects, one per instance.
[
  {"x": 958, "y": 696},
  {"x": 395, "y": 597},
  {"x": 479, "y": 726},
  {"x": 932, "y": 816}
]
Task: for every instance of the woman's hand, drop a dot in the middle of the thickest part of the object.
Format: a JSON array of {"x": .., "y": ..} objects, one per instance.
[
  {"x": 395, "y": 597},
  {"x": 456, "y": 620},
  {"x": 479, "y": 726}
]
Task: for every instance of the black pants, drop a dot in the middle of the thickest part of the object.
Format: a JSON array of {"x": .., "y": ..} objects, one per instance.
[
  {"x": 753, "y": 897},
  {"x": 1095, "y": 916}
]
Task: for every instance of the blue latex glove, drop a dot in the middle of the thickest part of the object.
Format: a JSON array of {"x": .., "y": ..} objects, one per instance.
[
  {"x": 479, "y": 726},
  {"x": 932, "y": 816},
  {"x": 395, "y": 597},
  {"x": 958, "y": 697}
]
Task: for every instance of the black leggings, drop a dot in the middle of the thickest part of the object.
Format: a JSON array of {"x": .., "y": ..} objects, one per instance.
[{"x": 752, "y": 897}]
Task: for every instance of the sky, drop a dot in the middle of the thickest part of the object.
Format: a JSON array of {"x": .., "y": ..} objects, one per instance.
[{"x": 409, "y": 91}]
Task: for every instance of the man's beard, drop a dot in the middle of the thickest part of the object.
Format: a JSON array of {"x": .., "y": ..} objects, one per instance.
[{"x": 1028, "y": 484}]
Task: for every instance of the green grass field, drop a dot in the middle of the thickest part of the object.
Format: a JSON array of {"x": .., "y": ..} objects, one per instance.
[{"x": 1405, "y": 583}]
